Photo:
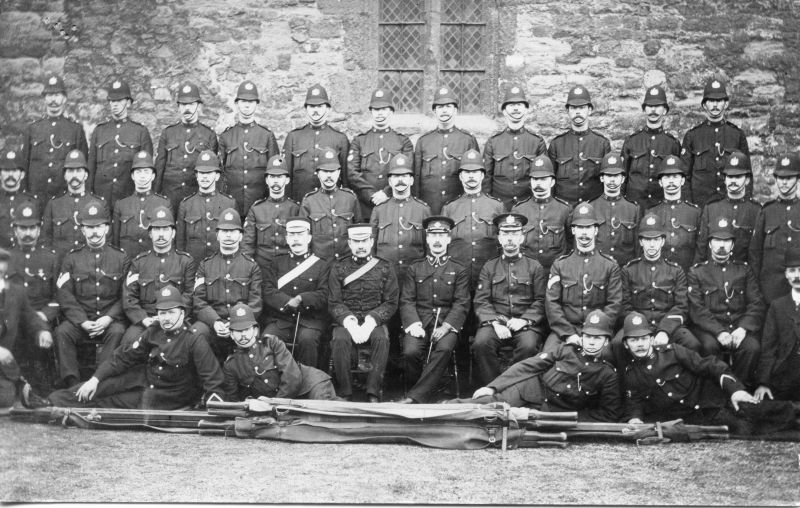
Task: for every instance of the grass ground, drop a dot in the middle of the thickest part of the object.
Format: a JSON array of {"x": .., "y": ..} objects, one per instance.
[{"x": 50, "y": 463}]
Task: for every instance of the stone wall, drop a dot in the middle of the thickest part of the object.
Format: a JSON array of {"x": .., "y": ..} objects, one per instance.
[{"x": 614, "y": 48}]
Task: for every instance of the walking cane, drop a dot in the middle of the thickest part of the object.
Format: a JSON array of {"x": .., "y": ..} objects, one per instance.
[
  {"x": 435, "y": 325},
  {"x": 296, "y": 327}
]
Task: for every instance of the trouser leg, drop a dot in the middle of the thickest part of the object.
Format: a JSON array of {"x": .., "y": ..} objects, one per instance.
[
  {"x": 485, "y": 350},
  {"x": 432, "y": 373},
  {"x": 552, "y": 343},
  {"x": 527, "y": 344},
  {"x": 745, "y": 360},
  {"x": 379, "y": 339},
  {"x": 342, "y": 347},
  {"x": 132, "y": 333},
  {"x": 112, "y": 338},
  {"x": 67, "y": 337},
  {"x": 686, "y": 338}
]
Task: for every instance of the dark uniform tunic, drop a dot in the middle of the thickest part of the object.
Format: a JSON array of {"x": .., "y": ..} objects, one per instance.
[
  {"x": 474, "y": 236},
  {"x": 244, "y": 151},
  {"x": 777, "y": 231},
  {"x": 60, "y": 229},
  {"x": 196, "y": 223},
  {"x": 301, "y": 150},
  {"x": 437, "y": 157},
  {"x": 265, "y": 229},
  {"x": 618, "y": 222},
  {"x": 19, "y": 328},
  {"x": 9, "y": 203},
  {"x": 642, "y": 153},
  {"x": 132, "y": 218},
  {"x": 401, "y": 239},
  {"x": 221, "y": 282},
  {"x": 507, "y": 158},
  {"x": 35, "y": 269},
  {"x": 330, "y": 211},
  {"x": 779, "y": 366},
  {"x": 680, "y": 221},
  {"x": 576, "y": 158},
  {"x": 741, "y": 213},
  {"x": 178, "y": 149},
  {"x": 706, "y": 148},
  {"x": 368, "y": 163},
  {"x": 546, "y": 230}
]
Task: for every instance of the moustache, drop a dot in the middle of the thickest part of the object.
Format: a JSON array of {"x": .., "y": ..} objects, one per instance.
[{"x": 75, "y": 181}]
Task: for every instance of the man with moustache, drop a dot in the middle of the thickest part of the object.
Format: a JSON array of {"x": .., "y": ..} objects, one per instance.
[
  {"x": 548, "y": 217},
  {"x": 304, "y": 147},
  {"x": 296, "y": 295},
  {"x": 508, "y": 154},
  {"x": 265, "y": 224},
  {"x": 438, "y": 153},
  {"x": 577, "y": 153},
  {"x": 131, "y": 214},
  {"x": 643, "y": 151},
  {"x": 179, "y": 146},
  {"x": 113, "y": 145},
  {"x": 60, "y": 226},
  {"x": 371, "y": 152},
  {"x": 47, "y": 142},
  {"x": 707, "y": 146},
  {"x": 89, "y": 292},
  {"x": 331, "y": 209},
  {"x": 12, "y": 195}
]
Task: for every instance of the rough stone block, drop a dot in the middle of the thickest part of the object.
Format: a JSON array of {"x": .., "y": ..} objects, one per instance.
[{"x": 326, "y": 29}]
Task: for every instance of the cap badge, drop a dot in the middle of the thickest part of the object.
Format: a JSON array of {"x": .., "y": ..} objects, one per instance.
[
  {"x": 671, "y": 161},
  {"x": 651, "y": 221},
  {"x": 785, "y": 161},
  {"x": 248, "y": 86},
  {"x": 715, "y": 84},
  {"x": 161, "y": 214},
  {"x": 206, "y": 157},
  {"x": 594, "y": 319},
  {"x": 400, "y": 160},
  {"x": 92, "y": 210},
  {"x": 228, "y": 216},
  {"x": 53, "y": 80},
  {"x": 329, "y": 155},
  {"x": 165, "y": 292},
  {"x": 734, "y": 161},
  {"x": 612, "y": 160},
  {"x": 723, "y": 223},
  {"x": 240, "y": 312},
  {"x": 636, "y": 320},
  {"x": 515, "y": 90},
  {"x": 11, "y": 156},
  {"x": 654, "y": 91},
  {"x": 187, "y": 89},
  {"x": 277, "y": 162},
  {"x": 510, "y": 219},
  {"x": 315, "y": 91},
  {"x": 583, "y": 210},
  {"x": 142, "y": 155},
  {"x": 437, "y": 225},
  {"x": 578, "y": 91},
  {"x": 379, "y": 93},
  {"x": 116, "y": 84},
  {"x": 442, "y": 91},
  {"x": 470, "y": 155},
  {"x": 27, "y": 211},
  {"x": 539, "y": 163},
  {"x": 74, "y": 155}
]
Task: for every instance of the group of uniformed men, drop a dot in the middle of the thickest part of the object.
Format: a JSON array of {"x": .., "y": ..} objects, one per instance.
[{"x": 655, "y": 261}]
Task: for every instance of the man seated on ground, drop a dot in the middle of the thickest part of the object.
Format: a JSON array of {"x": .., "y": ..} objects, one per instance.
[
  {"x": 573, "y": 378},
  {"x": 264, "y": 367}
]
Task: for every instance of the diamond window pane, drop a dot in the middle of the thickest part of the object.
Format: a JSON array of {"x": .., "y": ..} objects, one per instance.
[
  {"x": 468, "y": 87},
  {"x": 451, "y": 47},
  {"x": 406, "y": 87},
  {"x": 472, "y": 13},
  {"x": 452, "y": 11},
  {"x": 400, "y": 46},
  {"x": 462, "y": 11},
  {"x": 472, "y": 56},
  {"x": 402, "y": 11}
]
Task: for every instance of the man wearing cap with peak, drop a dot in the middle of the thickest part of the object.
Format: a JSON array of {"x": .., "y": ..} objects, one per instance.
[
  {"x": 776, "y": 231},
  {"x": 245, "y": 148},
  {"x": 331, "y": 209},
  {"x": 577, "y": 153},
  {"x": 548, "y": 216},
  {"x": 60, "y": 226},
  {"x": 371, "y": 152},
  {"x": 305, "y": 146},
  {"x": 264, "y": 367},
  {"x": 707, "y": 146},
  {"x": 168, "y": 367},
  {"x": 398, "y": 221},
  {"x": 265, "y": 224},
  {"x": 725, "y": 304},
  {"x": 362, "y": 298},
  {"x": 90, "y": 294},
  {"x": 643, "y": 151},
  {"x": 618, "y": 217},
  {"x": 680, "y": 219},
  {"x": 580, "y": 282},
  {"x": 153, "y": 269},
  {"x": 437, "y": 156},
  {"x": 741, "y": 209},
  {"x": 508, "y": 154},
  {"x": 47, "y": 142},
  {"x": 198, "y": 213},
  {"x": 508, "y": 301},
  {"x": 129, "y": 221},
  {"x": 12, "y": 195},
  {"x": 224, "y": 279},
  {"x": 473, "y": 213},
  {"x": 113, "y": 146},
  {"x": 179, "y": 146},
  {"x": 434, "y": 302},
  {"x": 296, "y": 294}
]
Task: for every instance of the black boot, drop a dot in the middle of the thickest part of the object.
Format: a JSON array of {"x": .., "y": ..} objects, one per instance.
[{"x": 28, "y": 397}]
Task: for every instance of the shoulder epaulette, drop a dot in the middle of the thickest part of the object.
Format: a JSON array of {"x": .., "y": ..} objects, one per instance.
[
  {"x": 264, "y": 127},
  {"x": 116, "y": 248},
  {"x": 529, "y": 131},
  {"x": 419, "y": 201},
  {"x": 673, "y": 263},
  {"x": 190, "y": 196},
  {"x": 176, "y": 124},
  {"x": 160, "y": 195},
  {"x": 491, "y": 197},
  {"x": 699, "y": 264},
  {"x": 299, "y": 128},
  {"x": 310, "y": 193},
  {"x": 347, "y": 189},
  {"x": 598, "y": 134},
  {"x": 142, "y": 254},
  {"x": 556, "y": 198},
  {"x": 182, "y": 253},
  {"x": 455, "y": 127},
  {"x": 564, "y": 256},
  {"x": 520, "y": 202},
  {"x": 603, "y": 254},
  {"x": 451, "y": 201},
  {"x": 229, "y": 128},
  {"x": 691, "y": 204},
  {"x": 331, "y": 127},
  {"x": 257, "y": 202},
  {"x": 562, "y": 134},
  {"x": 246, "y": 256},
  {"x": 632, "y": 262}
]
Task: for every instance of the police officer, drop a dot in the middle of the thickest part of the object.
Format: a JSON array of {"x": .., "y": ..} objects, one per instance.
[
  {"x": 398, "y": 221},
  {"x": 265, "y": 224},
  {"x": 725, "y": 304},
  {"x": 618, "y": 217},
  {"x": 434, "y": 302},
  {"x": 362, "y": 298},
  {"x": 12, "y": 195},
  {"x": 131, "y": 214},
  {"x": 473, "y": 214},
  {"x": 508, "y": 155},
  {"x": 776, "y": 231},
  {"x": 60, "y": 226},
  {"x": 265, "y": 368},
  {"x": 742, "y": 210},
  {"x": 679, "y": 218},
  {"x": 548, "y": 216},
  {"x": 304, "y": 147},
  {"x": 113, "y": 146},
  {"x": 371, "y": 152},
  {"x": 222, "y": 280},
  {"x": 152, "y": 270},
  {"x": 509, "y": 302},
  {"x": 89, "y": 292},
  {"x": 643, "y": 151},
  {"x": 198, "y": 213},
  {"x": 581, "y": 281},
  {"x": 708, "y": 145},
  {"x": 47, "y": 142},
  {"x": 296, "y": 294},
  {"x": 577, "y": 153},
  {"x": 331, "y": 209},
  {"x": 438, "y": 153},
  {"x": 179, "y": 146}
]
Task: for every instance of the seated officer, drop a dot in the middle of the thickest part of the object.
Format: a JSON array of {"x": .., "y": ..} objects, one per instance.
[
  {"x": 296, "y": 294},
  {"x": 573, "y": 378},
  {"x": 264, "y": 367},
  {"x": 509, "y": 302}
]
